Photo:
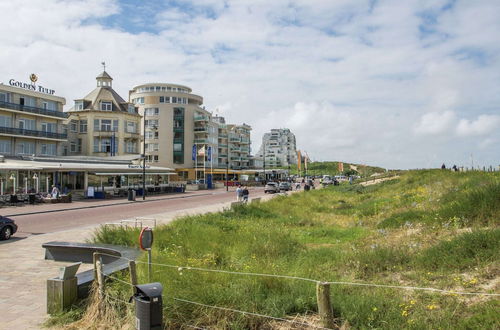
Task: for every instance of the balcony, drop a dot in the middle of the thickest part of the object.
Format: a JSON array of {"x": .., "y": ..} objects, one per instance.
[
  {"x": 201, "y": 141},
  {"x": 222, "y": 145},
  {"x": 245, "y": 141},
  {"x": 200, "y": 118},
  {"x": 222, "y": 136},
  {"x": 179, "y": 129},
  {"x": 201, "y": 130},
  {"x": 32, "y": 133},
  {"x": 34, "y": 110}
]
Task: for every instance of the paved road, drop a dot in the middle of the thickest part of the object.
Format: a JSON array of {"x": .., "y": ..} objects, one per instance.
[{"x": 70, "y": 219}]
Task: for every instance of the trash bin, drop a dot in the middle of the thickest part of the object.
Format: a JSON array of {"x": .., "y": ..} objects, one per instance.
[
  {"x": 131, "y": 194},
  {"x": 148, "y": 306},
  {"x": 31, "y": 199}
]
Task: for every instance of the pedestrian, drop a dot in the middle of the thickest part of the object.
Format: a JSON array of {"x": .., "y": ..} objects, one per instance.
[
  {"x": 245, "y": 194},
  {"x": 239, "y": 193},
  {"x": 55, "y": 192},
  {"x": 443, "y": 167}
]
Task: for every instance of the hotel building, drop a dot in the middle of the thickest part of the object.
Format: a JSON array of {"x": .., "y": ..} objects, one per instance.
[{"x": 103, "y": 123}]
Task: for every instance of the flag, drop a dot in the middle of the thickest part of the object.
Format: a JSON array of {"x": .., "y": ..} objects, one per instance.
[
  {"x": 341, "y": 167},
  {"x": 201, "y": 152},
  {"x": 209, "y": 154},
  {"x": 299, "y": 160},
  {"x": 193, "y": 156},
  {"x": 353, "y": 167},
  {"x": 305, "y": 163}
]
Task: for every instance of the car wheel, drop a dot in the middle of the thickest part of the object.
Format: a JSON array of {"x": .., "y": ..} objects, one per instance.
[{"x": 6, "y": 233}]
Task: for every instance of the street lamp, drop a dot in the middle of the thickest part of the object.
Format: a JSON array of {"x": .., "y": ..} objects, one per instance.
[
  {"x": 227, "y": 175},
  {"x": 35, "y": 177},
  {"x": 13, "y": 178}
]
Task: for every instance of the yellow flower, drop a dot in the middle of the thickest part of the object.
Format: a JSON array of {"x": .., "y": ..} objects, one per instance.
[
  {"x": 404, "y": 313},
  {"x": 431, "y": 307},
  {"x": 412, "y": 302},
  {"x": 374, "y": 309}
]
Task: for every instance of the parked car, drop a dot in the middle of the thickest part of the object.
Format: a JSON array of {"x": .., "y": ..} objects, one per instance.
[
  {"x": 286, "y": 186},
  {"x": 271, "y": 187},
  {"x": 7, "y": 228}
]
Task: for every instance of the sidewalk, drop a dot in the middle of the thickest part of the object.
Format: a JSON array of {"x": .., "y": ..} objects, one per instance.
[
  {"x": 93, "y": 203},
  {"x": 24, "y": 270}
]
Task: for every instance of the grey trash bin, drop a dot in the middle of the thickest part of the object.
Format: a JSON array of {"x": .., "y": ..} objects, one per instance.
[
  {"x": 148, "y": 306},
  {"x": 131, "y": 194}
]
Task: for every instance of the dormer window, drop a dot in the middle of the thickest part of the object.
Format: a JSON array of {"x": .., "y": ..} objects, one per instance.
[
  {"x": 106, "y": 106},
  {"x": 78, "y": 105},
  {"x": 131, "y": 108}
]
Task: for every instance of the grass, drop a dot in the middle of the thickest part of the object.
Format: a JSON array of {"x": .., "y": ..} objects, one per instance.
[{"x": 427, "y": 228}]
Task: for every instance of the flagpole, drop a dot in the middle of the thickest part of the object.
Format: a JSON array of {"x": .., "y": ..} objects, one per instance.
[
  {"x": 196, "y": 163},
  {"x": 204, "y": 163},
  {"x": 212, "y": 165}
]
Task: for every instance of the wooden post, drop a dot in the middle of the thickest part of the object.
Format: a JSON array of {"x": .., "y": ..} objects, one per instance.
[
  {"x": 324, "y": 304},
  {"x": 61, "y": 294},
  {"x": 95, "y": 257},
  {"x": 100, "y": 280},
  {"x": 133, "y": 274}
]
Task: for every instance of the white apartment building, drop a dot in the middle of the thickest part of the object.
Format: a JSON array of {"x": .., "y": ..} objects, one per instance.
[{"x": 279, "y": 148}]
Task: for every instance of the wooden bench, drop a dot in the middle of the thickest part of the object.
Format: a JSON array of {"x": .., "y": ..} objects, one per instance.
[{"x": 74, "y": 252}]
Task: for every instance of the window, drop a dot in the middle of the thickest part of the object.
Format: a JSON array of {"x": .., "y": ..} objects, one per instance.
[
  {"x": 131, "y": 108},
  {"x": 25, "y": 148},
  {"x": 5, "y": 147},
  {"x": 152, "y": 158},
  {"x": 152, "y": 123},
  {"x": 139, "y": 100},
  {"x": 151, "y": 147},
  {"x": 158, "y": 88},
  {"x": 83, "y": 126},
  {"x": 105, "y": 145},
  {"x": 26, "y": 100},
  {"x": 130, "y": 127},
  {"x": 48, "y": 149},
  {"x": 106, "y": 106},
  {"x": 5, "y": 121},
  {"x": 78, "y": 105},
  {"x": 115, "y": 125},
  {"x": 152, "y": 111},
  {"x": 4, "y": 97},
  {"x": 106, "y": 125},
  {"x": 72, "y": 146},
  {"x": 79, "y": 145},
  {"x": 162, "y": 99},
  {"x": 96, "y": 144},
  {"x": 151, "y": 135},
  {"x": 49, "y": 127},
  {"x": 73, "y": 126},
  {"x": 131, "y": 147},
  {"x": 177, "y": 146},
  {"x": 28, "y": 124},
  {"x": 174, "y": 99},
  {"x": 96, "y": 124},
  {"x": 178, "y": 158}
]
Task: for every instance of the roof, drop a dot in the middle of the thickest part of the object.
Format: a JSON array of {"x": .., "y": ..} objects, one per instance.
[
  {"x": 13, "y": 164},
  {"x": 104, "y": 74}
]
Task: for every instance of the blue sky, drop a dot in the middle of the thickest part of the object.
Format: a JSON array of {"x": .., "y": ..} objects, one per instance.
[{"x": 399, "y": 84}]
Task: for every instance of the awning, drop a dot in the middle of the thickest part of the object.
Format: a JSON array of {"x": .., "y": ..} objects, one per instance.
[{"x": 135, "y": 173}]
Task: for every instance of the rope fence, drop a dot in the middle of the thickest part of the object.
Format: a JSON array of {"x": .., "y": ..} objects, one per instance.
[{"x": 289, "y": 277}]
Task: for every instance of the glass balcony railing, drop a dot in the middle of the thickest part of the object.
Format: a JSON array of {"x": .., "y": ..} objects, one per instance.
[
  {"x": 200, "y": 118},
  {"x": 200, "y": 140},
  {"x": 28, "y": 132},
  {"x": 201, "y": 129},
  {"x": 34, "y": 110},
  {"x": 221, "y": 145}
]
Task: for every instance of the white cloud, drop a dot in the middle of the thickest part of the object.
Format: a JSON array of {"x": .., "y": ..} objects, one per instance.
[
  {"x": 392, "y": 85},
  {"x": 435, "y": 123},
  {"x": 483, "y": 125}
]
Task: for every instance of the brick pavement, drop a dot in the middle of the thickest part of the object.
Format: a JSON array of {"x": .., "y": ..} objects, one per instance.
[{"x": 24, "y": 271}]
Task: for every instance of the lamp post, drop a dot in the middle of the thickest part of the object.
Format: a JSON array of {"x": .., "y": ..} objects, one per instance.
[
  {"x": 35, "y": 177},
  {"x": 144, "y": 157},
  {"x": 265, "y": 177},
  {"x": 227, "y": 175},
  {"x": 13, "y": 178}
]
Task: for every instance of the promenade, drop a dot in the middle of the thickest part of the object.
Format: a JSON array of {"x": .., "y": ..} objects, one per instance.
[{"x": 24, "y": 270}]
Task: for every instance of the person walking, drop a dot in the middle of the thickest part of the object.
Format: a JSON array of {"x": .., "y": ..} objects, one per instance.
[
  {"x": 245, "y": 194},
  {"x": 239, "y": 193}
]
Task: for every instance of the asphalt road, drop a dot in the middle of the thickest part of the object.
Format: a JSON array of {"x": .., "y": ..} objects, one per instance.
[{"x": 34, "y": 224}]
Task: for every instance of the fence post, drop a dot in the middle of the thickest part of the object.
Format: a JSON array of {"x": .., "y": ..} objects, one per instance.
[
  {"x": 100, "y": 280},
  {"x": 95, "y": 257},
  {"x": 133, "y": 274},
  {"x": 324, "y": 304}
]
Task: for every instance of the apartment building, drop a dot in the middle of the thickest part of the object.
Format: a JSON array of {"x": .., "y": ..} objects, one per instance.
[
  {"x": 278, "y": 148},
  {"x": 103, "y": 124},
  {"x": 175, "y": 124}
]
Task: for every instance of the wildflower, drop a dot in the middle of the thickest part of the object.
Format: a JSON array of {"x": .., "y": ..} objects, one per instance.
[
  {"x": 412, "y": 302},
  {"x": 404, "y": 313},
  {"x": 431, "y": 307},
  {"x": 374, "y": 309}
]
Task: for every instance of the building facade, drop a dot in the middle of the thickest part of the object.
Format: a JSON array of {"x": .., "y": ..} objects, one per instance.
[
  {"x": 278, "y": 148},
  {"x": 103, "y": 123}
]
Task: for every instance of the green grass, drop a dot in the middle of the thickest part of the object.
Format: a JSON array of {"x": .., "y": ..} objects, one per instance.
[{"x": 428, "y": 228}]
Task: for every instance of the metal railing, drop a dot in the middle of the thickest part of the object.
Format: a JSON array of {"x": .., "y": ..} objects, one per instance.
[
  {"x": 35, "y": 110},
  {"x": 28, "y": 132}
]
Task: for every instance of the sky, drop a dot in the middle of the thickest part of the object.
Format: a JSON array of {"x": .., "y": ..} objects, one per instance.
[{"x": 390, "y": 83}]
